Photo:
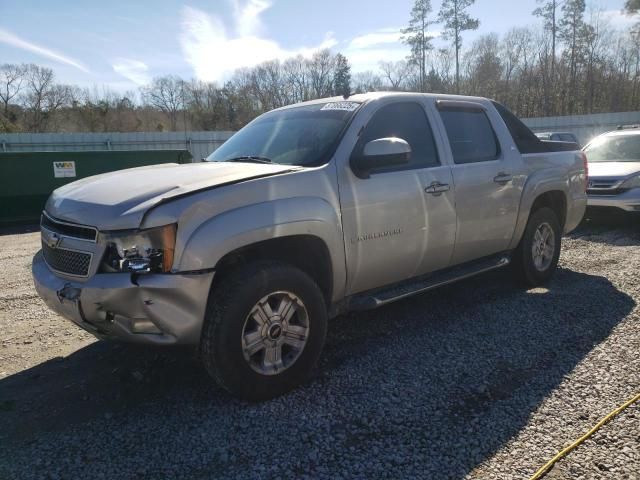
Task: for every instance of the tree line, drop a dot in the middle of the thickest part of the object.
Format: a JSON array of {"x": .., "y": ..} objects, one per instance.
[{"x": 573, "y": 63}]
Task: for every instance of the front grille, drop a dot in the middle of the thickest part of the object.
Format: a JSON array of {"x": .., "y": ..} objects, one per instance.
[
  {"x": 67, "y": 261},
  {"x": 606, "y": 191},
  {"x": 603, "y": 186},
  {"x": 68, "y": 229}
]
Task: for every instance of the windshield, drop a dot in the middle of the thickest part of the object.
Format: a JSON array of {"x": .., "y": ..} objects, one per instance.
[
  {"x": 614, "y": 149},
  {"x": 305, "y": 135}
]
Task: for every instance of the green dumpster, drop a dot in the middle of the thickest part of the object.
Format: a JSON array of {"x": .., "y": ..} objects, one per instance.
[{"x": 28, "y": 178}]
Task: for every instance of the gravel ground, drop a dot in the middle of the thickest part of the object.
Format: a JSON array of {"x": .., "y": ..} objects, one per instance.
[{"x": 477, "y": 380}]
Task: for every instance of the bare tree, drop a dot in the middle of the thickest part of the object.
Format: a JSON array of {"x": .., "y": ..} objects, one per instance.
[
  {"x": 321, "y": 67},
  {"x": 366, "y": 82},
  {"x": 396, "y": 73},
  {"x": 441, "y": 65},
  {"x": 600, "y": 72},
  {"x": 39, "y": 82},
  {"x": 485, "y": 67},
  {"x": 167, "y": 95},
  {"x": 511, "y": 52},
  {"x": 11, "y": 78},
  {"x": 297, "y": 76},
  {"x": 267, "y": 85},
  {"x": 205, "y": 105}
]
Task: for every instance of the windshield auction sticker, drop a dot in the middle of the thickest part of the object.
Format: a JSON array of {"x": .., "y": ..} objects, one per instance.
[
  {"x": 64, "y": 169},
  {"x": 344, "y": 106}
]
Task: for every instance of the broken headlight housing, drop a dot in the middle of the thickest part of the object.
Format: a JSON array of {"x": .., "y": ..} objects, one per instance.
[{"x": 140, "y": 251}]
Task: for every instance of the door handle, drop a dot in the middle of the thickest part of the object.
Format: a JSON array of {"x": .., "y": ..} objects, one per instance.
[
  {"x": 436, "y": 188},
  {"x": 502, "y": 178}
]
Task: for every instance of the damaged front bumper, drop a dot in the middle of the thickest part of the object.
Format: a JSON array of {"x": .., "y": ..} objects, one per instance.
[{"x": 161, "y": 309}]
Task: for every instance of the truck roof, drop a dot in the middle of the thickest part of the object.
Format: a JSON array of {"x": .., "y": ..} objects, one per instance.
[
  {"x": 622, "y": 132},
  {"x": 365, "y": 97}
]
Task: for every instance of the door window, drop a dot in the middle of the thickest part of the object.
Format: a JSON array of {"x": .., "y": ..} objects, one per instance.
[
  {"x": 408, "y": 121},
  {"x": 471, "y": 136}
]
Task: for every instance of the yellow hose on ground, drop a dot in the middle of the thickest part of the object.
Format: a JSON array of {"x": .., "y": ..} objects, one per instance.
[{"x": 545, "y": 468}]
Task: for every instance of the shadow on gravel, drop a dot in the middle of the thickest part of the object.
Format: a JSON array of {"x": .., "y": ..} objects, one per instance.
[
  {"x": 611, "y": 227},
  {"x": 18, "y": 229},
  {"x": 427, "y": 387}
]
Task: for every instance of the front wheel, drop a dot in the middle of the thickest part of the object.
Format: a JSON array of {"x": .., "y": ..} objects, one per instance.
[
  {"x": 536, "y": 257},
  {"x": 264, "y": 330}
]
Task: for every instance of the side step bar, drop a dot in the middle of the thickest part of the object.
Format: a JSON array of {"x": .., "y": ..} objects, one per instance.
[{"x": 382, "y": 296}]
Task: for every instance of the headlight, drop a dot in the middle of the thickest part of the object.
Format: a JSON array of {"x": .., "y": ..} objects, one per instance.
[
  {"x": 140, "y": 251},
  {"x": 633, "y": 182}
]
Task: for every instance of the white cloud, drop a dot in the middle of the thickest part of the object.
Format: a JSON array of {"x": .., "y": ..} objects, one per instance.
[
  {"x": 134, "y": 70},
  {"x": 15, "y": 41},
  {"x": 248, "y": 16},
  {"x": 369, "y": 59},
  {"x": 618, "y": 19},
  {"x": 366, "y": 51},
  {"x": 214, "y": 52},
  {"x": 379, "y": 37}
]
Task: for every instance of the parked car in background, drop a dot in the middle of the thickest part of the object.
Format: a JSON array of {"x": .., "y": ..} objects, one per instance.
[
  {"x": 614, "y": 170},
  {"x": 309, "y": 211},
  {"x": 558, "y": 137}
]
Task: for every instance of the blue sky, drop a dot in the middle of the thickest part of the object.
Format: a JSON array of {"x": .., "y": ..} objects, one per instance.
[{"x": 121, "y": 44}]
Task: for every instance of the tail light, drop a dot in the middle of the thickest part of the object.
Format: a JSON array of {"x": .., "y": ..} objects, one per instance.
[{"x": 586, "y": 170}]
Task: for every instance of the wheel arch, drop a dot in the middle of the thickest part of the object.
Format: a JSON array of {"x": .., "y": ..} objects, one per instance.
[
  {"x": 303, "y": 231},
  {"x": 305, "y": 252},
  {"x": 551, "y": 194}
]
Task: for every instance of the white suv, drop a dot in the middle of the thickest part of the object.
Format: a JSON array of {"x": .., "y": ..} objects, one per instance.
[{"x": 614, "y": 170}]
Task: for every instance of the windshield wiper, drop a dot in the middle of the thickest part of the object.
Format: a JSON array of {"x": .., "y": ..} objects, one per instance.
[{"x": 250, "y": 158}]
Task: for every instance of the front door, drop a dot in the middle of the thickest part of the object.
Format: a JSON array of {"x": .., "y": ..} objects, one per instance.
[{"x": 396, "y": 224}]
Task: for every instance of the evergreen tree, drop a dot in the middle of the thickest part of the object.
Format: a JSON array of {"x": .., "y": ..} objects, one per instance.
[
  {"x": 572, "y": 33},
  {"x": 548, "y": 12},
  {"x": 342, "y": 76},
  {"x": 453, "y": 14},
  {"x": 417, "y": 37},
  {"x": 632, "y": 7}
]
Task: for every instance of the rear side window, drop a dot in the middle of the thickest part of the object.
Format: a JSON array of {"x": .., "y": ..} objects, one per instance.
[
  {"x": 566, "y": 137},
  {"x": 471, "y": 136},
  {"x": 525, "y": 139},
  {"x": 408, "y": 121}
]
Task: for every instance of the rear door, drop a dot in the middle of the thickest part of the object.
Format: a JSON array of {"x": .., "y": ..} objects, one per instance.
[{"x": 483, "y": 175}]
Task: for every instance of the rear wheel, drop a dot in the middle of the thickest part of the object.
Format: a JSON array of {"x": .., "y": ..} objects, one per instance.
[
  {"x": 536, "y": 258},
  {"x": 264, "y": 330}
]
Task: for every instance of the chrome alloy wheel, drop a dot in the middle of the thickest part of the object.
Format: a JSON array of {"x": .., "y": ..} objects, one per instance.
[
  {"x": 275, "y": 333},
  {"x": 543, "y": 247}
]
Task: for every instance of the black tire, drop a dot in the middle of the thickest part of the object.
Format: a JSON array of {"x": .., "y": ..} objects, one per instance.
[
  {"x": 230, "y": 302},
  {"x": 522, "y": 260}
]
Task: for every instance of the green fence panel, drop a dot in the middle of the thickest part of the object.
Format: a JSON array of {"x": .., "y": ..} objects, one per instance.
[{"x": 28, "y": 178}]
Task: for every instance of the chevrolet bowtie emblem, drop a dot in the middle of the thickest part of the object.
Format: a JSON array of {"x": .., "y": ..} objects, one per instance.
[{"x": 53, "y": 241}]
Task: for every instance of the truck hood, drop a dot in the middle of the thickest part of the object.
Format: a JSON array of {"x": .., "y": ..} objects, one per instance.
[
  {"x": 613, "y": 169},
  {"x": 118, "y": 200}
]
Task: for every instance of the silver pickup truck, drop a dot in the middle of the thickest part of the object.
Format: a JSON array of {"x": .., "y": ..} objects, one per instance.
[{"x": 309, "y": 211}]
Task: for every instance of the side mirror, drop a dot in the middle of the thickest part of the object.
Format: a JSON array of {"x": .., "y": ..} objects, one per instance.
[{"x": 380, "y": 153}]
